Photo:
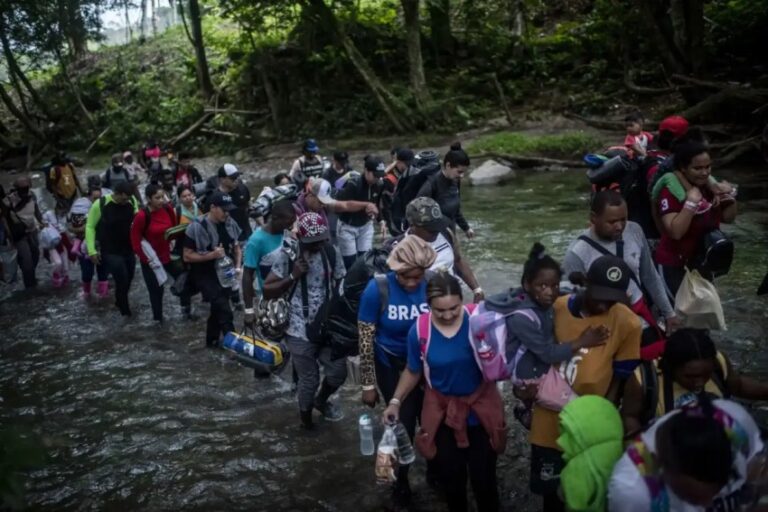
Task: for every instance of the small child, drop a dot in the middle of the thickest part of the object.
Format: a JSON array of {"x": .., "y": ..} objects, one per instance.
[
  {"x": 58, "y": 252},
  {"x": 78, "y": 216},
  {"x": 533, "y": 339},
  {"x": 637, "y": 140}
]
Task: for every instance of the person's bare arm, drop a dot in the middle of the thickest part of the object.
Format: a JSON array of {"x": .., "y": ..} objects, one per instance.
[
  {"x": 408, "y": 381},
  {"x": 247, "y": 286},
  {"x": 192, "y": 256},
  {"x": 742, "y": 386},
  {"x": 351, "y": 206}
]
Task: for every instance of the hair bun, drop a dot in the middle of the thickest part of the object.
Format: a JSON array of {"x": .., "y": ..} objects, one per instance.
[
  {"x": 456, "y": 146},
  {"x": 537, "y": 251}
]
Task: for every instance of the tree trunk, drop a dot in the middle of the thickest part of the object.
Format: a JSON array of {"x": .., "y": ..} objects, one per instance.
[
  {"x": 390, "y": 104},
  {"x": 143, "y": 18},
  {"x": 184, "y": 22},
  {"x": 153, "y": 13},
  {"x": 15, "y": 70},
  {"x": 18, "y": 114},
  {"x": 440, "y": 28},
  {"x": 655, "y": 13},
  {"x": 415, "y": 62},
  {"x": 128, "y": 28},
  {"x": 75, "y": 89},
  {"x": 517, "y": 19},
  {"x": 72, "y": 26},
  {"x": 203, "y": 76}
]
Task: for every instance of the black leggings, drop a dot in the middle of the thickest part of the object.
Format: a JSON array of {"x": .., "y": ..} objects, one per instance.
[
  {"x": 122, "y": 267},
  {"x": 156, "y": 290},
  {"x": 478, "y": 461},
  {"x": 221, "y": 320}
]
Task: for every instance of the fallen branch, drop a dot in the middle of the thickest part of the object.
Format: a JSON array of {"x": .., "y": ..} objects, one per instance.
[
  {"x": 192, "y": 128},
  {"x": 648, "y": 91},
  {"x": 235, "y": 111},
  {"x": 530, "y": 161},
  {"x": 737, "y": 153},
  {"x": 223, "y": 133},
  {"x": 97, "y": 139}
]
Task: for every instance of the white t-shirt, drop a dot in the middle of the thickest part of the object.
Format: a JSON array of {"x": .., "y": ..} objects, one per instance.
[
  {"x": 628, "y": 491},
  {"x": 445, "y": 256}
]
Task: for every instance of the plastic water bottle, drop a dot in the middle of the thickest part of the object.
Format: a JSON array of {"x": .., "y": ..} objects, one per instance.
[
  {"x": 225, "y": 271},
  {"x": 366, "y": 435},
  {"x": 405, "y": 453}
]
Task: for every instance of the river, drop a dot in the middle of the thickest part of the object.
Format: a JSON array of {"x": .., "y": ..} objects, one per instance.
[{"x": 135, "y": 417}]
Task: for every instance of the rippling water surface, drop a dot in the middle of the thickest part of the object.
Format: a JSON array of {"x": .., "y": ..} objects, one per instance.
[{"x": 135, "y": 417}]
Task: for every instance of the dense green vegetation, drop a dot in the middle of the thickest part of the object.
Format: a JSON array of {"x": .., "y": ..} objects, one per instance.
[
  {"x": 565, "y": 145},
  {"x": 265, "y": 70}
]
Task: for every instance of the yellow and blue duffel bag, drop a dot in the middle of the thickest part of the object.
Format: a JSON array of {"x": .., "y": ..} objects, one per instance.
[{"x": 254, "y": 351}]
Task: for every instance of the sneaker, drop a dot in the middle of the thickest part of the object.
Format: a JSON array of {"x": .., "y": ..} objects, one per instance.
[{"x": 330, "y": 411}]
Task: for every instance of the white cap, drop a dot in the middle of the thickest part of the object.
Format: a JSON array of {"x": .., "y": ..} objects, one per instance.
[
  {"x": 321, "y": 189},
  {"x": 228, "y": 171}
]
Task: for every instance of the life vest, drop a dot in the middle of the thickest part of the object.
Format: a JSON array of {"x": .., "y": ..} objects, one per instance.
[{"x": 311, "y": 170}]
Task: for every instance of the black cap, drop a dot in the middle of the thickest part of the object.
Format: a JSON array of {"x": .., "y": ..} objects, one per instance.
[
  {"x": 404, "y": 155},
  {"x": 376, "y": 165},
  {"x": 608, "y": 279},
  {"x": 222, "y": 200}
]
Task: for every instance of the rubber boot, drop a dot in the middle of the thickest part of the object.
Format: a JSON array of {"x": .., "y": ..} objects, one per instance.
[
  {"x": 102, "y": 289},
  {"x": 57, "y": 280},
  {"x": 86, "y": 290},
  {"x": 306, "y": 420}
]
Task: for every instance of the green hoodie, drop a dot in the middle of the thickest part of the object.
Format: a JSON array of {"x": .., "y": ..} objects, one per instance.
[{"x": 591, "y": 436}]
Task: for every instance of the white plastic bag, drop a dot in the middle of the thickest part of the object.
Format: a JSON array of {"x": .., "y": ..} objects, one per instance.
[
  {"x": 698, "y": 303},
  {"x": 386, "y": 458},
  {"x": 49, "y": 237}
]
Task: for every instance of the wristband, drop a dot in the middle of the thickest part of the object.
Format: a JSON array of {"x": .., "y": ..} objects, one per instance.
[
  {"x": 248, "y": 311},
  {"x": 369, "y": 388},
  {"x": 690, "y": 205},
  {"x": 395, "y": 402}
]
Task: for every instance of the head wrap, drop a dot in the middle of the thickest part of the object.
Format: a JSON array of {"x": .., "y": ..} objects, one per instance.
[{"x": 411, "y": 253}]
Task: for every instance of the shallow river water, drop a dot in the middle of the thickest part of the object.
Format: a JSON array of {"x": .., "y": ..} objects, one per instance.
[{"x": 132, "y": 417}]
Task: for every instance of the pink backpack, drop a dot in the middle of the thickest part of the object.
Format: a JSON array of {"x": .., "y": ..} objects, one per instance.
[
  {"x": 488, "y": 336},
  {"x": 424, "y": 333}
]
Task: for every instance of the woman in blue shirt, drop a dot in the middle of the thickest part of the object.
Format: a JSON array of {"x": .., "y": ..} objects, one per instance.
[
  {"x": 389, "y": 308},
  {"x": 462, "y": 419}
]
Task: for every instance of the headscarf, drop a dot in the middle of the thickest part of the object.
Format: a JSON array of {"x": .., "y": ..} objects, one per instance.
[{"x": 411, "y": 253}]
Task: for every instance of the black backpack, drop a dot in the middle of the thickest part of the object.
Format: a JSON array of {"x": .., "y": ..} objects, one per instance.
[
  {"x": 425, "y": 165},
  {"x": 342, "y": 314}
]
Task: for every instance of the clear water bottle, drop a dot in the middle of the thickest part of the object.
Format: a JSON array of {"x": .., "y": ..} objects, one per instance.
[
  {"x": 225, "y": 271},
  {"x": 405, "y": 453},
  {"x": 366, "y": 435}
]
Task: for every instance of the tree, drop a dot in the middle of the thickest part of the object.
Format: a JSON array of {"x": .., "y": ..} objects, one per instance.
[
  {"x": 440, "y": 28},
  {"x": 415, "y": 61},
  {"x": 677, "y": 29},
  {"x": 201, "y": 61}
]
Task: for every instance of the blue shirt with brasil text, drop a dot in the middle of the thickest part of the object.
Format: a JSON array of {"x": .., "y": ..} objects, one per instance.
[{"x": 393, "y": 324}]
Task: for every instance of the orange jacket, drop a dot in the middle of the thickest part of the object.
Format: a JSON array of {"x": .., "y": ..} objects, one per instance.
[{"x": 485, "y": 402}]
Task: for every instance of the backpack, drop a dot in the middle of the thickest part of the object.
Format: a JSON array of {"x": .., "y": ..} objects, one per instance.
[
  {"x": 425, "y": 165},
  {"x": 148, "y": 217},
  {"x": 489, "y": 335},
  {"x": 424, "y": 335},
  {"x": 342, "y": 315},
  {"x": 342, "y": 329},
  {"x": 262, "y": 206}
]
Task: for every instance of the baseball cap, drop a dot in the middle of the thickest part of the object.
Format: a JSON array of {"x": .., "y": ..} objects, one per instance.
[
  {"x": 424, "y": 212},
  {"x": 321, "y": 189},
  {"x": 228, "y": 171},
  {"x": 376, "y": 165},
  {"x": 310, "y": 146},
  {"x": 223, "y": 201},
  {"x": 608, "y": 279},
  {"x": 676, "y": 125},
  {"x": 312, "y": 227},
  {"x": 404, "y": 155}
]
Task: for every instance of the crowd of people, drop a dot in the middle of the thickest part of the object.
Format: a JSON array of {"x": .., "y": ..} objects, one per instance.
[{"x": 628, "y": 406}]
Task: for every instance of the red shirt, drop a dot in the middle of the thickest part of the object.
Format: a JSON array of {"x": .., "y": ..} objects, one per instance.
[
  {"x": 160, "y": 221},
  {"x": 677, "y": 253}
]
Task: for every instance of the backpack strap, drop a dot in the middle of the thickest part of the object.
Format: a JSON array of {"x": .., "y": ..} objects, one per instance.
[
  {"x": 424, "y": 334},
  {"x": 383, "y": 286},
  {"x": 147, "y": 219},
  {"x": 619, "y": 254}
]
